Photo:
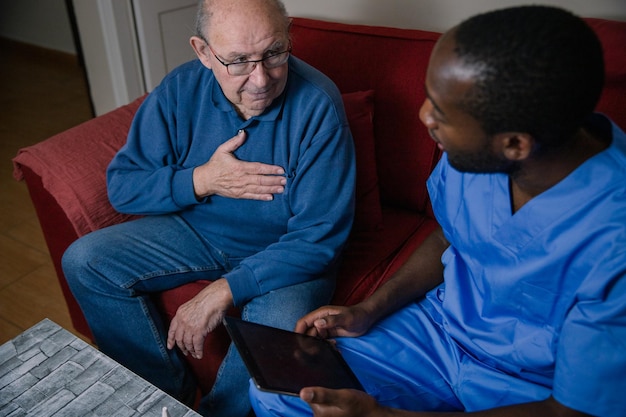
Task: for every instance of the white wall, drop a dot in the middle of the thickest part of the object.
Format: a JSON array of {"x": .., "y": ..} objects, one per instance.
[
  {"x": 43, "y": 23},
  {"x": 112, "y": 53},
  {"x": 435, "y": 15}
]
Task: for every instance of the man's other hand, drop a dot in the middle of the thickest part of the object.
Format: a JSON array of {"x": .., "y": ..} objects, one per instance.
[
  {"x": 334, "y": 321},
  {"x": 340, "y": 403},
  {"x": 198, "y": 317}
]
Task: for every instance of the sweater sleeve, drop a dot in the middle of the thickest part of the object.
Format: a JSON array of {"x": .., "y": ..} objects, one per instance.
[{"x": 144, "y": 176}]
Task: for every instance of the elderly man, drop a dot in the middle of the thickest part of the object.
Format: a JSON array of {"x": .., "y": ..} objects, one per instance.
[
  {"x": 243, "y": 164},
  {"x": 516, "y": 306}
]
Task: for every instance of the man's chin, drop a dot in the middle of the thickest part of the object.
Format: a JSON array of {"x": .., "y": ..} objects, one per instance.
[
  {"x": 484, "y": 168},
  {"x": 482, "y": 164},
  {"x": 256, "y": 107},
  {"x": 253, "y": 110}
]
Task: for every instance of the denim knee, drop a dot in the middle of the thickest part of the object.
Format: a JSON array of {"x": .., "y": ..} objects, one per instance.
[
  {"x": 85, "y": 257},
  {"x": 74, "y": 259}
]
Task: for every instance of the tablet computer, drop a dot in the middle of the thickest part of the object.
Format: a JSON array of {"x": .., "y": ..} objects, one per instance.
[{"x": 285, "y": 362}]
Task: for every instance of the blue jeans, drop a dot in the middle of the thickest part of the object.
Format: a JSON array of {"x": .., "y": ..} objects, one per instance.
[{"x": 113, "y": 272}]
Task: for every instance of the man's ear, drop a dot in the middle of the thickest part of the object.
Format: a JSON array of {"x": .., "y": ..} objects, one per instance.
[
  {"x": 515, "y": 146},
  {"x": 201, "y": 48}
]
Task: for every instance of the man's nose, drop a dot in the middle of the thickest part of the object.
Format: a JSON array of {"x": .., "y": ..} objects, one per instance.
[
  {"x": 426, "y": 114},
  {"x": 259, "y": 74}
]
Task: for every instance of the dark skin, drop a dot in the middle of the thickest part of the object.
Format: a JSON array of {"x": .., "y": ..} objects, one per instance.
[{"x": 461, "y": 136}]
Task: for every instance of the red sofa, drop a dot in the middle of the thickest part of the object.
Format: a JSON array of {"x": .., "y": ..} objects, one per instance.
[{"x": 65, "y": 173}]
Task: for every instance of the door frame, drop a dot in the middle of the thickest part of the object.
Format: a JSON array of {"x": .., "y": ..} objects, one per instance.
[{"x": 109, "y": 47}]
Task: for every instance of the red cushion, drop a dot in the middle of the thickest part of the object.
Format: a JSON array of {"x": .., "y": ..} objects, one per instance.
[
  {"x": 392, "y": 62},
  {"x": 360, "y": 112},
  {"x": 612, "y": 34},
  {"x": 372, "y": 257}
]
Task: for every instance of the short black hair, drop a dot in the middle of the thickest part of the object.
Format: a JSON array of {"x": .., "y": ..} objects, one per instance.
[{"x": 539, "y": 69}]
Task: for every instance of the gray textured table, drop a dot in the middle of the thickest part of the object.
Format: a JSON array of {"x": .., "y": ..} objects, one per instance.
[{"x": 47, "y": 371}]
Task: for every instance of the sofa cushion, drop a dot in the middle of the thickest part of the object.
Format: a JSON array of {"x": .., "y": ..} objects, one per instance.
[
  {"x": 360, "y": 112},
  {"x": 371, "y": 257},
  {"x": 392, "y": 62},
  {"x": 612, "y": 34}
]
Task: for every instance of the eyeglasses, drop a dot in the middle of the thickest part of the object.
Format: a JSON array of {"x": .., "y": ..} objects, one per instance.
[{"x": 239, "y": 68}]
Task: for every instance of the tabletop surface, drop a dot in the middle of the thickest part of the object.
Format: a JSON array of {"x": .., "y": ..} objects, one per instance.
[{"x": 47, "y": 371}]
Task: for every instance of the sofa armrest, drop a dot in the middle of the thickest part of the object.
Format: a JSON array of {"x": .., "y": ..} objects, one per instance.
[
  {"x": 72, "y": 168},
  {"x": 59, "y": 234},
  {"x": 65, "y": 177}
]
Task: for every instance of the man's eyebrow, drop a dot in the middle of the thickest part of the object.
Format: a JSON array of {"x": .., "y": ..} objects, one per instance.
[
  {"x": 434, "y": 103},
  {"x": 276, "y": 46}
]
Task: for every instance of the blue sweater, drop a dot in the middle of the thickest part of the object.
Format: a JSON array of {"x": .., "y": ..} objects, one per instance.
[{"x": 292, "y": 239}]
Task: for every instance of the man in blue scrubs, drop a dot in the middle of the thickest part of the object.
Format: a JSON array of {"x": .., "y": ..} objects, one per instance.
[{"x": 516, "y": 306}]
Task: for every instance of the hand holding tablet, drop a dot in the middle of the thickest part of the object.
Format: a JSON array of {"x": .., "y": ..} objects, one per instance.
[{"x": 285, "y": 362}]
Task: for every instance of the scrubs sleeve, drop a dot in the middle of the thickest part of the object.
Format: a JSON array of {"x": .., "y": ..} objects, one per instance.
[{"x": 590, "y": 372}]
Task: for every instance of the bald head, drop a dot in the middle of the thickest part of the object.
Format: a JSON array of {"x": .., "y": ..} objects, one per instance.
[
  {"x": 236, "y": 34},
  {"x": 224, "y": 14}
]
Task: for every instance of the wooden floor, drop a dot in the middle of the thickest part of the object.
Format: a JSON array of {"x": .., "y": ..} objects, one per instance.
[{"x": 41, "y": 93}]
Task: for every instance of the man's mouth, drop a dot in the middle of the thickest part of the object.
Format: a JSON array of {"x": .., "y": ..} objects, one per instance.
[
  {"x": 434, "y": 138},
  {"x": 260, "y": 93}
]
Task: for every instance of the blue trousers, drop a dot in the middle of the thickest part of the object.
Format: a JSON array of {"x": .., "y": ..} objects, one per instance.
[
  {"x": 113, "y": 272},
  {"x": 407, "y": 361}
]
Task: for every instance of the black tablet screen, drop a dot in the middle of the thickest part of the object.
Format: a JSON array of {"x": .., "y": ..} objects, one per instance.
[{"x": 285, "y": 362}]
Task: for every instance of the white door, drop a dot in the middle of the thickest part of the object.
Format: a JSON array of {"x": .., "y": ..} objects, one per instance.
[
  {"x": 163, "y": 31},
  {"x": 129, "y": 45}
]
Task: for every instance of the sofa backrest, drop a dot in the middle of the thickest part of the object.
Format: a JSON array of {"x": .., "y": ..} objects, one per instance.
[
  {"x": 392, "y": 62},
  {"x": 612, "y": 35}
]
